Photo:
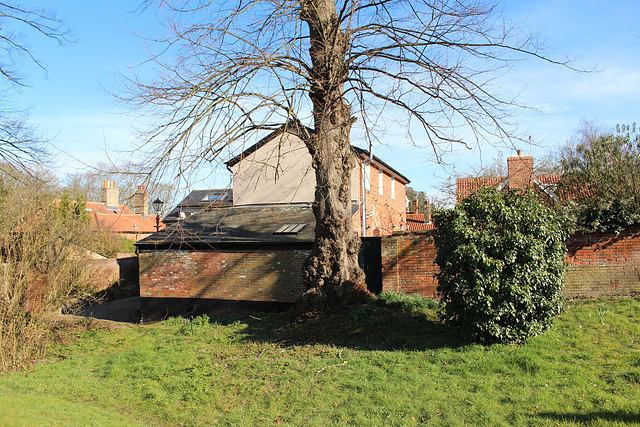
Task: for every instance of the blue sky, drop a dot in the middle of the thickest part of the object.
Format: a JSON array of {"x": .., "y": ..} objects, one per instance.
[{"x": 70, "y": 104}]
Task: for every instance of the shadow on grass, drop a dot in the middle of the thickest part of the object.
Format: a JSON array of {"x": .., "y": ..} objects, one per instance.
[
  {"x": 367, "y": 327},
  {"x": 588, "y": 418}
]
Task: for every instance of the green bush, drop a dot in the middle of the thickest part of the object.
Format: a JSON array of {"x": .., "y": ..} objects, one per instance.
[{"x": 501, "y": 258}]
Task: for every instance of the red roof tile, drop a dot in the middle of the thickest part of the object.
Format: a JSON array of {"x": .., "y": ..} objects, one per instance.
[
  {"x": 467, "y": 186},
  {"x": 416, "y": 222},
  {"x": 121, "y": 219}
]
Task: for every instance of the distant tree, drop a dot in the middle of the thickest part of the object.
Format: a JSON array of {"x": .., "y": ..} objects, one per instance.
[
  {"x": 229, "y": 70},
  {"x": 128, "y": 178},
  {"x": 601, "y": 179},
  {"x": 501, "y": 259},
  {"x": 420, "y": 196}
]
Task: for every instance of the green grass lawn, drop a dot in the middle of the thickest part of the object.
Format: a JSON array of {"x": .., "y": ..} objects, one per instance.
[{"x": 368, "y": 366}]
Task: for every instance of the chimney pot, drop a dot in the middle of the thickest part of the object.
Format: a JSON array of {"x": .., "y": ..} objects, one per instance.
[{"x": 519, "y": 152}]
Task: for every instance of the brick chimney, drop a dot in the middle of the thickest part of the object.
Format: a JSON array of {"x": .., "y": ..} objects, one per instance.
[
  {"x": 427, "y": 212},
  {"x": 110, "y": 194},
  {"x": 140, "y": 201},
  {"x": 520, "y": 171}
]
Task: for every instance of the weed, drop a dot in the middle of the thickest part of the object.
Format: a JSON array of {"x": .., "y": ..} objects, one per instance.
[
  {"x": 602, "y": 313},
  {"x": 195, "y": 323}
]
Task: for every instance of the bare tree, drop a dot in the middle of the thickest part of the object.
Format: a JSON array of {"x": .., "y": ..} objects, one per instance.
[
  {"x": 230, "y": 69},
  {"x": 128, "y": 177},
  {"x": 20, "y": 143}
]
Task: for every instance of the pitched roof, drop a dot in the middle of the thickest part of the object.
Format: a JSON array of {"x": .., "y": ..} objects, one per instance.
[
  {"x": 121, "y": 219},
  {"x": 417, "y": 222},
  {"x": 467, "y": 186},
  {"x": 263, "y": 224},
  {"x": 296, "y": 130},
  {"x": 199, "y": 200}
]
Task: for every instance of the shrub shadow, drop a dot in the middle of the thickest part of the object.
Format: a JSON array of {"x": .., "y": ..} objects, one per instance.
[{"x": 366, "y": 327}]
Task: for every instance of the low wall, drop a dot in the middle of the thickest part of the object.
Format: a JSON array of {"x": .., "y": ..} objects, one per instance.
[
  {"x": 409, "y": 264},
  {"x": 603, "y": 264},
  {"x": 234, "y": 275},
  {"x": 598, "y": 264},
  {"x": 120, "y": 271}
]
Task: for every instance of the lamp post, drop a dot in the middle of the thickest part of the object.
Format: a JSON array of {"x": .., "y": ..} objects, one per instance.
[{"x": 157, "y": 206}]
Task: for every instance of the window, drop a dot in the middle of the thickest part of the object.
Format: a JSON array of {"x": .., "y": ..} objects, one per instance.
[
  {"x": 290, "y": 229},
  {"x": 380, "y": 181},
  {"x": 393, "y": 188}
]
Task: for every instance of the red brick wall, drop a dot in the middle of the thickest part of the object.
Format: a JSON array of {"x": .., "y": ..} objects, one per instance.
[
  {"x": 386, "y": 215},
  {"x": 599, "y": 264},
  {"x": 603, "y": 264},
  {"x": 408, "y": 264},
  {"x": 246, "y": 275}
]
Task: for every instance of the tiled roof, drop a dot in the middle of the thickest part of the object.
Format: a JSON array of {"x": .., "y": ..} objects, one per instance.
[
  {"x": 416, "y": 222},
  {"x": 121, "y": 219},
  {"x": 467, "y": 186}
]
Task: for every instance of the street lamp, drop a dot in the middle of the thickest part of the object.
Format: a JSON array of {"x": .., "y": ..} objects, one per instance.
[{"x": 157, "y": 206}]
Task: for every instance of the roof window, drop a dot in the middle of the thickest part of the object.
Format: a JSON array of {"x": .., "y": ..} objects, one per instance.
[{"x": 290, "y": 229}]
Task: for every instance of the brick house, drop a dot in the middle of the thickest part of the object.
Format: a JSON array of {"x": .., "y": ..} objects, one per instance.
[
  {"x": 520, "y": 176},
  {"x": 132, "y": 223},
  {"x": 278, "y": 170}
]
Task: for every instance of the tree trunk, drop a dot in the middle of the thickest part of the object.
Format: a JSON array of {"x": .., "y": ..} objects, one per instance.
[{"x": 331, "y": 273}]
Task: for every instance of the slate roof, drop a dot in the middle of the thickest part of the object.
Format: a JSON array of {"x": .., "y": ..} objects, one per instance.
[
  {"x": 199, "y": 200},
  {"x": 255, "y": 224}
]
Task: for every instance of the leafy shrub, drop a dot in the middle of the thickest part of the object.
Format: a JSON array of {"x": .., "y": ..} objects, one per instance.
[
  {"x": 406, "y": 302},
  {"x": 501, "y": 259},
  {"x": 599, "y": 215}
]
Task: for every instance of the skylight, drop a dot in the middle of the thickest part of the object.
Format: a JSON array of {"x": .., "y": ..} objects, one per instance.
[{"x": 290, "y": 229}]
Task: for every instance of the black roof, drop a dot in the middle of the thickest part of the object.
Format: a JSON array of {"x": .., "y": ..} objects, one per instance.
[
  {"x": 255, "y": 224},
  {"x": 199, "y": 200}
]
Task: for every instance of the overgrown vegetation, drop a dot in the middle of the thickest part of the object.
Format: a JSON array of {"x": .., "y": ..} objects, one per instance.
[
  {"x": 501, "y": 258},
  {"x": 381, "y": 367},
  {"x": 42, "y": 244},
  {"x": 601, "y": 180}
]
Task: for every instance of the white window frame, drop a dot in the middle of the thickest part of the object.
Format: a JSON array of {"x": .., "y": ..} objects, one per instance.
[
  {"x": 380, "y": 182},
  {"x": 366, "y": 175},
  {"x": 393, "y": 187}
]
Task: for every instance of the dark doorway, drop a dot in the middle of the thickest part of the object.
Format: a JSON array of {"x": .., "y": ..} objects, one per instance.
[{"x": 370, "y": 260}]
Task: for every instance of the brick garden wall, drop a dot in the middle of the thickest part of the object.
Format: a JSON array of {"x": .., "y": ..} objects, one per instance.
[
  {"x": 599, "y": 264},
  {"x": 234, "y": 275},
  {"x": 409, "y": 264},
  {"x": 603, "y": 264}
]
